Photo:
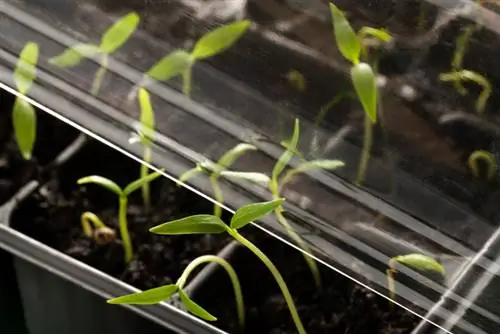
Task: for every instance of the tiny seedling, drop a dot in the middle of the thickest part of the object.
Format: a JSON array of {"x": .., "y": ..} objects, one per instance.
[
  {"x": 415, "y": 261},
  {"x": 210, "y": 224},
  {"x": 146, "y": 132},
  {"x": 352, "y": 48},
  {"x": 163, "y": 293},
  {"x": 276, "y": 182},
  {"x": 122, "y": 204},
  {"x": 94, "y": 228},
  {"x": 23, "y": 113},
  {"x": 487, "y": 158},
  {"x": 181, "y": 62},
  {"x": 214, "y": 171},
  {"x": 466, "y": 75},
  {"x": 116, "y": 35}
]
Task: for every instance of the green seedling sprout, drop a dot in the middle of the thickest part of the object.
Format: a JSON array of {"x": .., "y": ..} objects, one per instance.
[
  {"x": 123, "y": 203},
  {"x": 163, "y": 293},
  {"x": 94, "y": 228},
  {"x": 415, "y": 261},
  {"x": 181, "y": 62},
  {"x": 214, "y": 171},
  {"x": 23, "y": 113},
  {"x": 116, "y": 35},
  {"x": 466, "y": 75},
  {"x": 146, "y": 132},
  {"x": 210, "y": 224},
  {"x": 277, "y": 182},
  {"x": 487, "y": 158},
  {"x": 352, "y": 48}
]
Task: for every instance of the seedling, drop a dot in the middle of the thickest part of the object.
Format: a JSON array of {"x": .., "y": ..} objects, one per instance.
[
  {"x": 487, "y": 158},
  {"x": 351, "y": 46},
  {"x": 23, "y": 113},
  {"x": 123, "y": 203},
  {"x": 181, "y": 62},
  {"x": 94, "y": 228},
  {"x": 214, "y": 171},
  {"x": 276, "y": 184},
  {"x": 210, "y": 224},
  {"x": 146, "y": 132},
  {"x": 163, "y": 293},
  {"x": 116, "y": 35},
  {"x": 466, "y": 75},
  {"x": 416, "y": 261}
]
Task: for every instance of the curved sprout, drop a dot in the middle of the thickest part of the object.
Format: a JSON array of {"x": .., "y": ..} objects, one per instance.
[
  {"x": 466, "y": 75},
  {"x": 485, "y": 156}
]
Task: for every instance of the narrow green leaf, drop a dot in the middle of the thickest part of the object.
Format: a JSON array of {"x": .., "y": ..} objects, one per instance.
[
  {"x": 147, "y": 117},
  {"x": 170, "y": 66},
  {"x": 25, "y": 72},
  {"x": 380, "y": 34},
  {"x": 230, "y": 156},
  {"x": 319, "y": 164},
  {"x": 119, "y": 33},
  {"x": 24, "y": 122},
  {"x": 365, "y": 84},
  {"x": 101, "y": 181},
  {"x": 194, "y": 308},
  {"x": 72, "y": 56},
  {"x": 248, "y": 213},
  {"x": 189, "y": 174},
  {"x": 148, "y": 297},
  {"x": 220, "y": 39},
  {"x": 347, "y": 40},
  {"x": 197, "y": 224},
  {"x": 420, "y": 262},
  {"x": 288, "y": 154},
  {"x": 137, "y": 184},
  {"x": 260, "y": 178},
  {"x": 311, "y": 165}
]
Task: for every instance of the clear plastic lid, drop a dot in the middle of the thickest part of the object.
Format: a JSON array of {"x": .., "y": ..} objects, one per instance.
[{"x": 418, "y": 176}]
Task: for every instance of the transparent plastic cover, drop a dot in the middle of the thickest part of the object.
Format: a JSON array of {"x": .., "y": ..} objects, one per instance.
[{"x": 387, "y": 109}]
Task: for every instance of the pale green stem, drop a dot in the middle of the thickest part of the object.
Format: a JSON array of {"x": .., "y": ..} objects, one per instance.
[
  {"x": 219, "y": 198},
  {"x": 300, "y": 242},
  {"x": 124, "y": 234},
  {"x": 276, "y": 274},
  {"x": 311, "y": 263},
  {"x": 89, "y": 218},
  {"x": 99, "y": 76},
  {"x": 238, "y": 294},
  {"x": 144, "y": 172},
  {"x": 367, "y": 147},
  {"x": 186, "y": 81},
  {"x": 391, "y": 284}
]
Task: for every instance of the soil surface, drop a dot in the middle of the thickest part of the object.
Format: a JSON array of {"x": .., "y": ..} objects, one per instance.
[
  {"x": 341, "y": 306},
  {"x": 52, "y": 215},
  {"x": 52, "y": 137}
]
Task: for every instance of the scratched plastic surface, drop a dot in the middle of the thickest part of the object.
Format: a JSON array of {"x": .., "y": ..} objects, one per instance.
[{"x": 420, "y": 193}]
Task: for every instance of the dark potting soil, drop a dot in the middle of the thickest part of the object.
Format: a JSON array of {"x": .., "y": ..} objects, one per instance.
[
  {"x": 341, "y": 306},
  {"x": 52, "y": 137},
  {"x": 52, "y": 215}
]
